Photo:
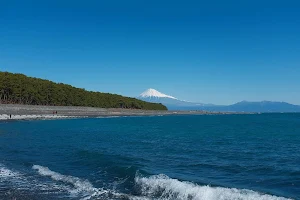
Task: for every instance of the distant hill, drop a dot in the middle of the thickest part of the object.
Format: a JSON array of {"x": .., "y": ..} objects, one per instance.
[
  {"x": 20, "y": 89},
  {"x": 245, "y": 106},
  {"x": 152, "y": 95},
  {"x": 262, "y": 106}
]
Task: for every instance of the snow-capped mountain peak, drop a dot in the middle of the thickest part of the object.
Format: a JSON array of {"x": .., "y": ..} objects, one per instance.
[{"x": 152, "y": 93}]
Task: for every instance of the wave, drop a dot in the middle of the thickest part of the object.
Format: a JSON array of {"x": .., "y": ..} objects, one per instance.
[
  {"x": 164, "y": 188},
  {"x": 17, "y": 180},
  {"x": 7, "y": 173},
  {"x": 99, "y": 117},
  {"x": 81, "y": 187},
  {"x": 158, "y": 187}
]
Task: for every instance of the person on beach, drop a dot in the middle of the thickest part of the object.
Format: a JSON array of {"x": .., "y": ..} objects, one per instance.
[{"x": 10, "y": 116}]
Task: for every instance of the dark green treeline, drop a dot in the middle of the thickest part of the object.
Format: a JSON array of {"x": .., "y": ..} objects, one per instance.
[{"x": 20, "y": 89}]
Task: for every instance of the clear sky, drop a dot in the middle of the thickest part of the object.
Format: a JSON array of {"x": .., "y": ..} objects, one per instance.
[{"x": 217, "y": 52}]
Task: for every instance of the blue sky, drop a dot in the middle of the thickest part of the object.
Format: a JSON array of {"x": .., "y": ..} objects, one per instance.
[{"x": 219, "y": 52}]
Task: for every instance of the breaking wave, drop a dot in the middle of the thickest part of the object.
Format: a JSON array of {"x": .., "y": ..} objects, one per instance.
[
  {"x": 80, "y": 187},
  {"x": 164, "y": 188},
  {"x": 21, "y": 181},
  {"x": 7, "y": 173},
  {"x": 156, "y": 187}
]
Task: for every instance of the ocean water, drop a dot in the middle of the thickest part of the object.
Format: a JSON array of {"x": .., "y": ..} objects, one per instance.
[{"x": 209, "y": 157}]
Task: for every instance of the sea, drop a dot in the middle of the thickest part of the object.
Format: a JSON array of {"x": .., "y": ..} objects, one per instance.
[{"x": 200, "y": 157}]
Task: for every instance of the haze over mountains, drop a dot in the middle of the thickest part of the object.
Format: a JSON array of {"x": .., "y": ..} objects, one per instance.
[{"x": 172, "y": 103}]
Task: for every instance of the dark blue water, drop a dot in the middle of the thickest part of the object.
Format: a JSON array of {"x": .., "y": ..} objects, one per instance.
[{"x": 168, "y": 157}]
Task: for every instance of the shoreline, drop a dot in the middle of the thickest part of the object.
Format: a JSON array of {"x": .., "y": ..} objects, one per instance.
[{"x": 37, "y": 112}]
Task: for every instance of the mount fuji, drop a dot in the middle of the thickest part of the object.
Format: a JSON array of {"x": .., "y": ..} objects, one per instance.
[
  {"x": 152, "y": 93},
  {"x": 154, "y": 96},
  {"x": 172, "y": 103}
]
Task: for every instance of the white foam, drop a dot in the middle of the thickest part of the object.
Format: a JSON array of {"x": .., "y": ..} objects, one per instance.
[
  {"x": 82, "y": 185},
  {"x": 74, "y": 186},
  {"x": 165, "y": 188},
  {"x": 81, "y": 188},
  {"x": 99, "y": 117},
  {"x": 7, "y": 173},
  {"x": 159, "y": 187},
  {"x": 26, "y": 117},
  {"x": 19, "y": 180}
]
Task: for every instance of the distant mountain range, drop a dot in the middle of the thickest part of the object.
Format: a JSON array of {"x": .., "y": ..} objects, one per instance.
[{"x": 172, "y": 103}]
